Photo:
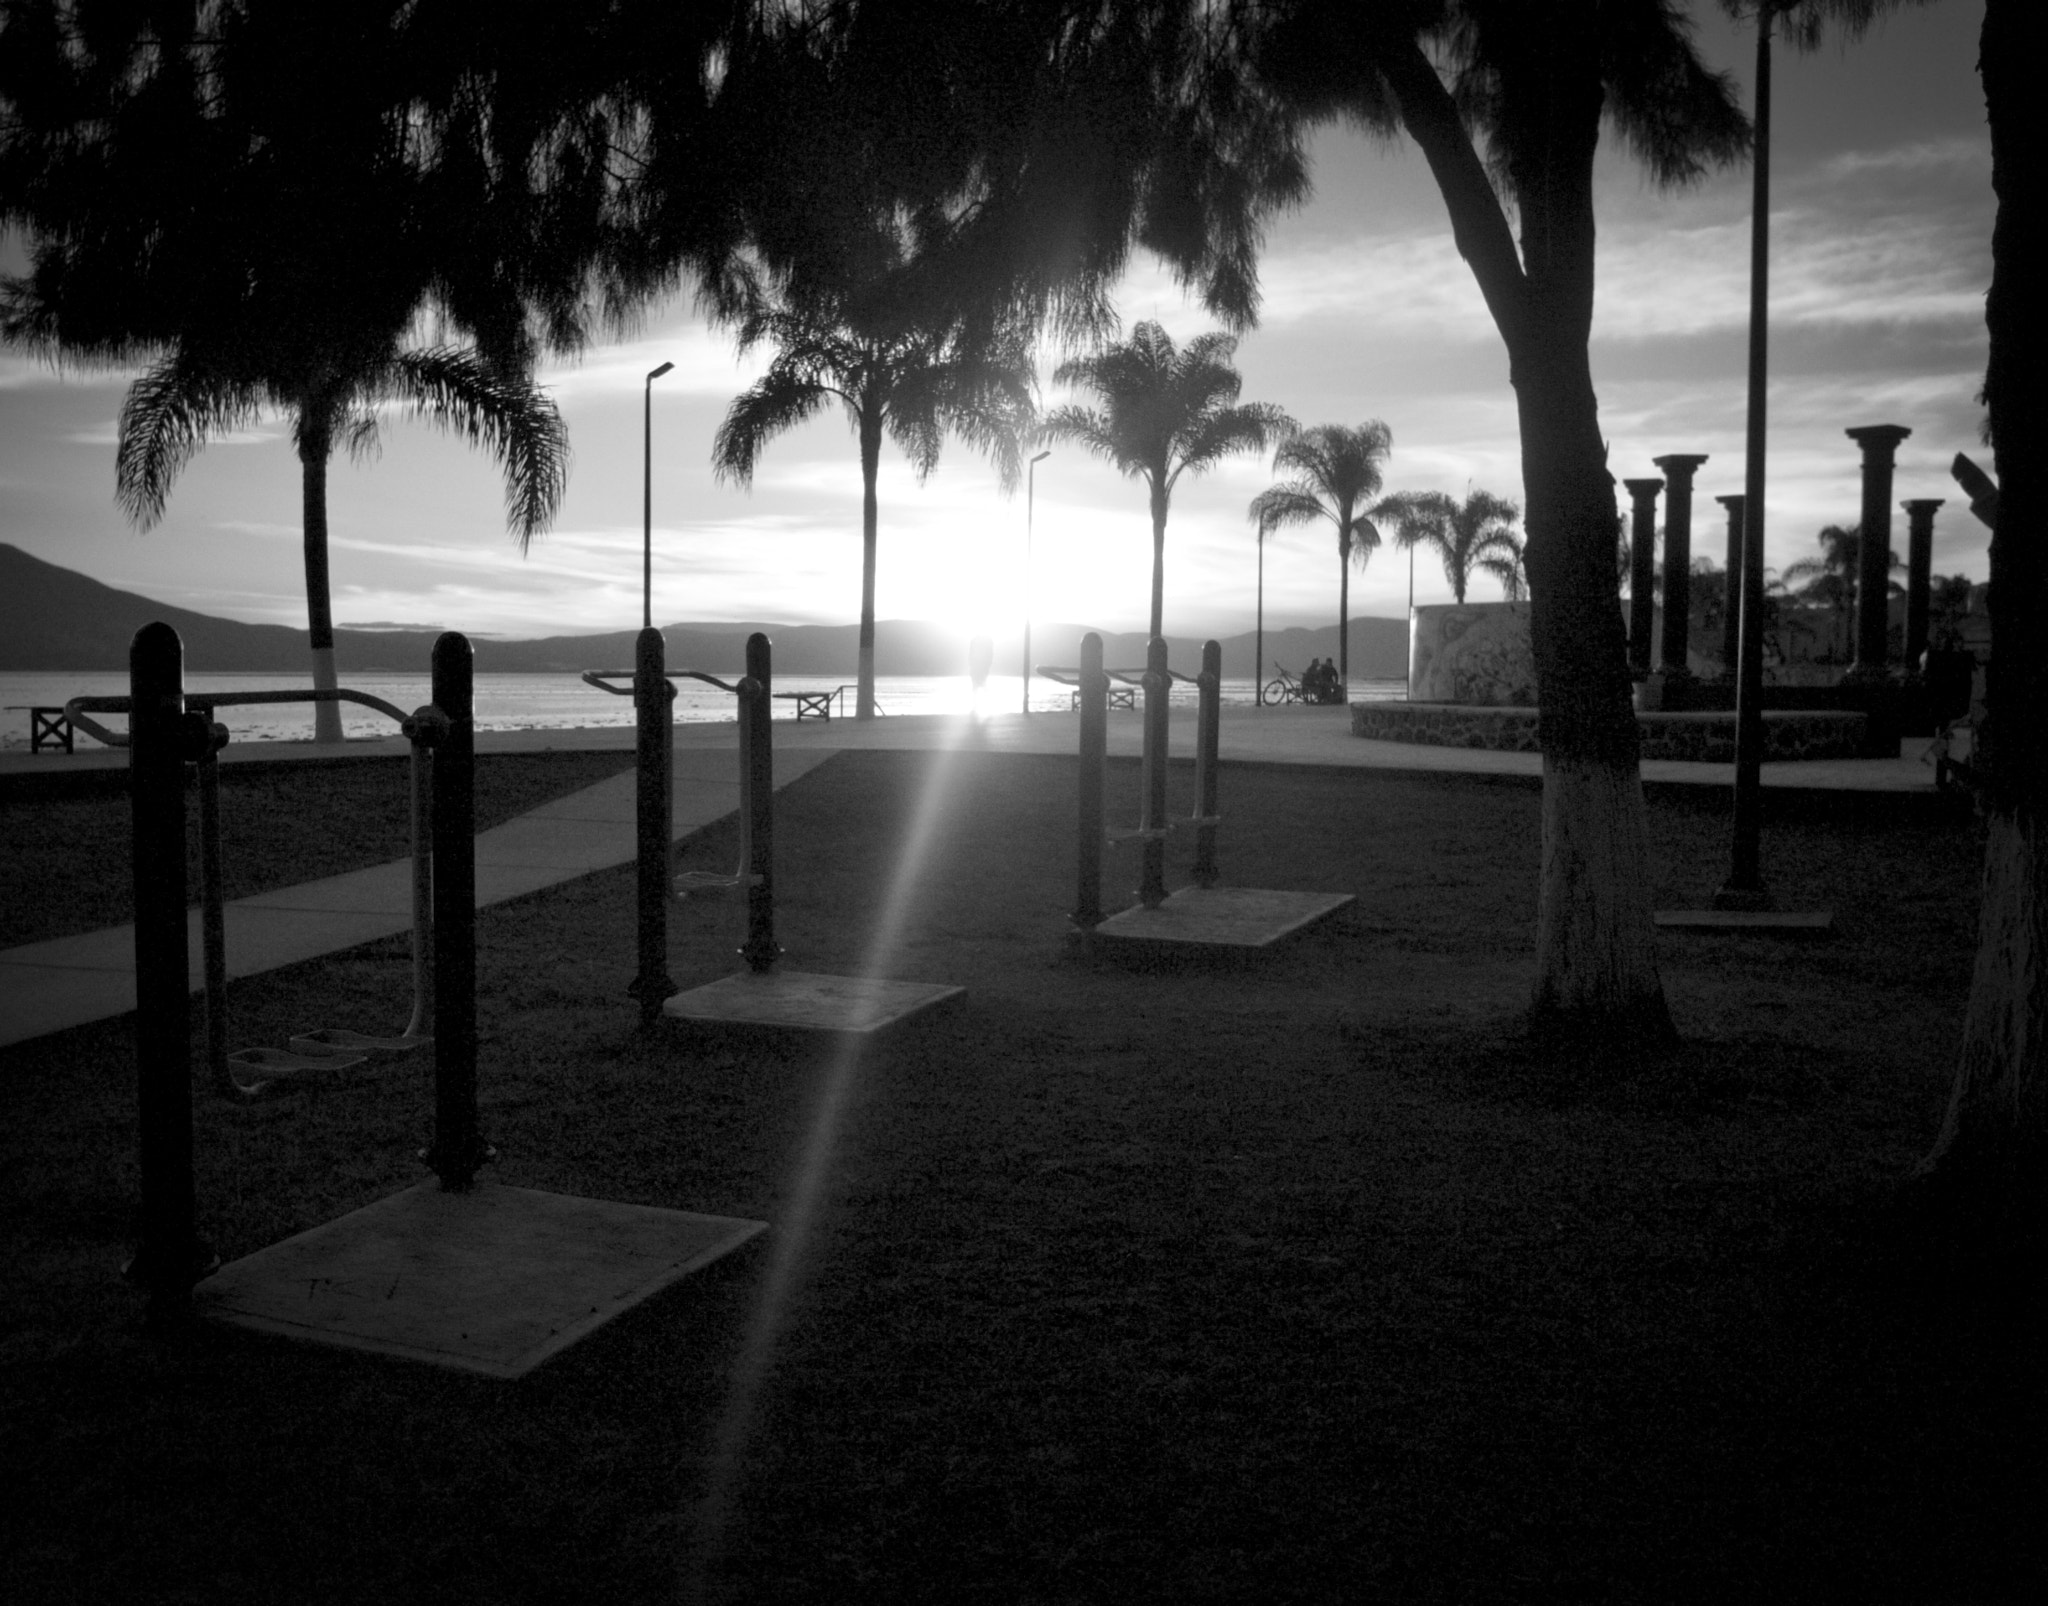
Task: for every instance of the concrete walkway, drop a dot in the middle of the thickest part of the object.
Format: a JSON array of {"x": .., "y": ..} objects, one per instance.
[
  {"x": 68, "y": 981},
  {"x": 48, "y": 986}
]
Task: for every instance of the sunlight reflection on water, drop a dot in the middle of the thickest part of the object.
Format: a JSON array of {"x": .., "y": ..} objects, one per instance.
[{"x": 564, "y": 702}]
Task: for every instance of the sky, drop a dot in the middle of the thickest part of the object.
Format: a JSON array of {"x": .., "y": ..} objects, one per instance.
[{"x": 1880, "y": 226}]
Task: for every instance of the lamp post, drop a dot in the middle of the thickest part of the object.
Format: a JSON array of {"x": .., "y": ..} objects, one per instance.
[
  {"x": 1030, "y": 492},
  {"x": 1744, "y": 889},
  {"x": 1259, "y": 627},
  {"x": 647, "y": 497}
]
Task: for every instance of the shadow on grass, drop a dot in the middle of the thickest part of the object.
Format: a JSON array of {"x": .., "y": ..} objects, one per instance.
[{"x": 1308, "y": 1279}]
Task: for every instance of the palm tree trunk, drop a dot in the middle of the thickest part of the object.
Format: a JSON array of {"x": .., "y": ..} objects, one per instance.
[
  {"x": 316, "y": 445},
  {"x": 870, "y": 468},
  {"x": 1993, "y": 1146},
  {"x": 1158, "y": 558},
  {"x": 1343, "y": 612}
]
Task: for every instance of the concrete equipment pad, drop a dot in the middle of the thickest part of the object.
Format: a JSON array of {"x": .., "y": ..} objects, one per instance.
[
  {"x": 493, "y": 1281},
  {"x": 799, "y": 1001},
  {"x": 1745, "y": 919},
  {"x": 1223, "y": 917}
]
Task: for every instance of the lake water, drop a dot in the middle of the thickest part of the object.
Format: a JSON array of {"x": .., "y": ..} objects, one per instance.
[{"x": 557, "y": 702}]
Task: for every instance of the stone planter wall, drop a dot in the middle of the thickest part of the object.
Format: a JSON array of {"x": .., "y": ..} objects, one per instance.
[{"x": 1695, "y": 737}]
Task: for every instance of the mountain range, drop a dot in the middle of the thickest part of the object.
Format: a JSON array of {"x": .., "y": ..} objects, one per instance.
[{"x": 54, "y": 619}]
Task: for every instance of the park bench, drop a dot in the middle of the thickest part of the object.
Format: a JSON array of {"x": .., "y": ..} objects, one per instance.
[
  {"x": 1123, "y": 684},
  {"x": 818, "y": 704},
  {"x": 47, "y": 726}
]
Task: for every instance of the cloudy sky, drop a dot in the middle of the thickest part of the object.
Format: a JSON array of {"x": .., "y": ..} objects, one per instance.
[{"x": 1881, "y": 224}]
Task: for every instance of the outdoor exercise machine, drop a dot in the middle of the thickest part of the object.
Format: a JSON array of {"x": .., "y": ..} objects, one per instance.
[
  {"x": 320, "y": 1055},
  {"x": 652, "y": 688},
  {"x": 466, "y": 1274},
  {"x": 1205, "y": 913},
  {"x": 763, "y": 994},
  {"x": 165, "y": 734}
]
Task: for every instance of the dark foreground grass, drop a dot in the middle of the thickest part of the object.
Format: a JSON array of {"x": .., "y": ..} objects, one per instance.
[
  {"x": 1302, "y": 1279},
  {"x": 67, "y": 864}
]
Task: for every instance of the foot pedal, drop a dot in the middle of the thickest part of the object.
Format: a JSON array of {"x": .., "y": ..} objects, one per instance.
[
  {"x": 332, "y": 1040},
  {"x": 278, "y": 1063}
]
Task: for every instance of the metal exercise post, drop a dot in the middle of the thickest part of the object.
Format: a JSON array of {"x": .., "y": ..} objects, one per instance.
[
  {"x": 458, "y": 1148},
  {"x": 652, "y": 695},
  {"x": 757, "y": 803},
  {"x": 1094, "y": 701},
  {"x": 1158, "y": 685},
  {"x": 1208, "y": 729},
  {"x": 170, "y": 1255},
  {"x": 213, "y": 922}
]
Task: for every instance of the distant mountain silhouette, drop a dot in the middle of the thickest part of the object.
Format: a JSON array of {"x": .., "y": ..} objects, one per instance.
[{"x": 54, "y": 619}]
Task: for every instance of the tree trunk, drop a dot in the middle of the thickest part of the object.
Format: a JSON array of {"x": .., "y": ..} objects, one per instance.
[
  {"x": 1158, "y": 556},
  {"x": 1343, "y": 612},
  {"x": 870, "y": 467},
  {"x": 1595, "y": 948},
  {"x": 1993, "y": 1146},
  {"x": 316, "y": 445},
  {"x": 1596, "y": 965}
]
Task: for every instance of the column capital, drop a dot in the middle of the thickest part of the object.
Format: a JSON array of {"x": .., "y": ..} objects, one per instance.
[
  {"x": 1732, "y": 501},
  {"x": 1680, "y": 465},
  {"x": 1922, "y": 507},
  {"x": 1644, "y": 490},
  {"x": 1878, "y": 439}
]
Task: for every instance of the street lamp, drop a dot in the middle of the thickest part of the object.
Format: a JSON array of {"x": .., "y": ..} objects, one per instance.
[
  {"x": 1259, "y": 625},
  {"x": 1745, "y": 887},
  {"x": 1030, "y": 491},
  {"x": 647, "y": 497}
]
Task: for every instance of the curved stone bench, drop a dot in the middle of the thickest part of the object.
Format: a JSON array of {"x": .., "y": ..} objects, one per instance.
[{"x": 1696, "y": 737}]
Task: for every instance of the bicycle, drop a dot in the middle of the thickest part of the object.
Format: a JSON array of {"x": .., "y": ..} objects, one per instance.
[{"x": 1287, "y": 689}]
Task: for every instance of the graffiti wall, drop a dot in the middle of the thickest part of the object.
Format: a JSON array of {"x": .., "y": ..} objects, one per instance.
[{"x": 1475, "y": 653}]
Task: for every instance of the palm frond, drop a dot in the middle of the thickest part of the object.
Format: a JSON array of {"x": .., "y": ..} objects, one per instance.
[
  {"x": 1086, "y": 428},
  {"x": 167, "y": 417},
  {"x": 360, "y": 435},
  {"x": 1363, "y": 543},
  {"x": 1287, "y": 504},
  {"x": 502, "y": 412},
  {"x": 1217, "y": 435},
  {"x": 1417, "y": 516},
  {"x": 781, "y": 399},
  {"x": 1507, "y": 571}
]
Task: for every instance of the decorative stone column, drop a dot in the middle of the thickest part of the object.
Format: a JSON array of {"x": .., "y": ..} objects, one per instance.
[
  {"x": 1679, "y": 469},
  {"x": 1919, "y": 575},
  {"x": 1880, "y": 443},
  {"x": 1731, "y": 622},
  {"x": 1642, "y": 573}
]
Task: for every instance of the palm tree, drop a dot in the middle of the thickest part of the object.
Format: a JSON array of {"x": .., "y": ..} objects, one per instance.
[
  {"x": 257, "y": 249},
  {"x": 1164, "y": 413},
  {"x": 912, "y": 384},
  {"x": 1475, "y": 536},
  {"x": 173, "y": 409},
  {"x": 1336, "y": 471},
  {"x": 1830, "y": 580}
]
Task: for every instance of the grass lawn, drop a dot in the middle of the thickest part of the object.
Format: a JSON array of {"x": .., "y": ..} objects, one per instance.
[
  {"x": 66, "y": 869},
  {"x": 1302, "y": 1278}
]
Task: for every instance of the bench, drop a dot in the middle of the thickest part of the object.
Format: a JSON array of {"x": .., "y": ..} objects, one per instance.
[
  {"x": 1123, "y": 684},
  {"x": 47, "y": 726},
  {"x": 810, "y": 704}
]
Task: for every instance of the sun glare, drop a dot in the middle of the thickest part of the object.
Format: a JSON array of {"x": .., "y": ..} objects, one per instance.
[{"x": 790, "y": 1239}]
